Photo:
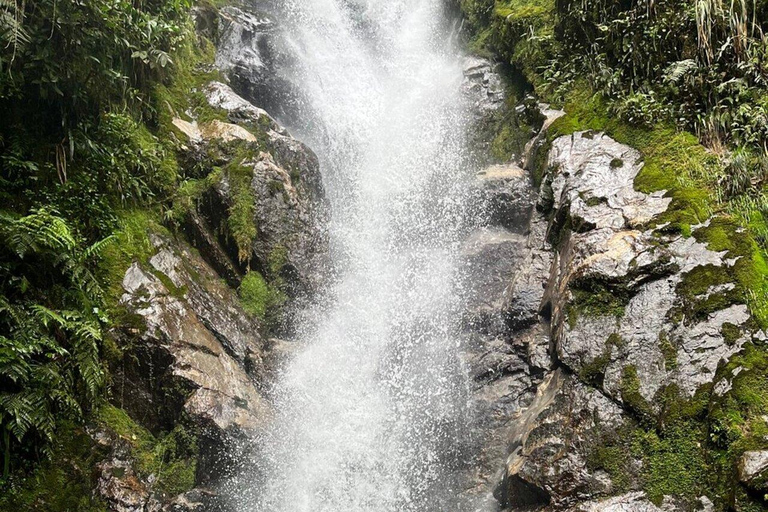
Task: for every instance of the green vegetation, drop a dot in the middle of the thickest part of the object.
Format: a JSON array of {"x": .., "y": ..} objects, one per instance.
[
  {"x": 595, "y": 299},
  {"x": 89, "y": 166},
  {"x": 172, "y": 458},
  {"x": 258, "y": 297},
  {"x": 63, "y": 482},
  {"x": 241, "y": 222}
]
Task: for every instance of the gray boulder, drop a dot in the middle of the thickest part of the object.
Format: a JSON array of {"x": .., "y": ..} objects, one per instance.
[
  {"x": 753, "y": 469},
  {"x": 614, "y": 281}
]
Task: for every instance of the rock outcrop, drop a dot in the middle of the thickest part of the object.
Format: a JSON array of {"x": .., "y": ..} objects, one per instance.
[
  {"x": 596, "y": 312},
  {"x": 191, "y": 355},
  {"x": 284, "y": 188},
  {"x": 483, "y": 85}
]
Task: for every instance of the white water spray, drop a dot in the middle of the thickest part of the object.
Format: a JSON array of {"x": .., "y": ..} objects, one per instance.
[{"x": 371, "y": 412}]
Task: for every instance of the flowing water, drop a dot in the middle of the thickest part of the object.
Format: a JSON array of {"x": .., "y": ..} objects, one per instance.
[{"x": 371, "y": 413}]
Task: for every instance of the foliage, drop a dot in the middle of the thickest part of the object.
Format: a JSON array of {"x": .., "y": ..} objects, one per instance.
[
  {"x": 62, "y": 484},
  {"x": 86, "y": 165},
  {"x": 50, "y": 327},
  {"x": 241, "y": 220},
  {"x": 257, "y": 296}
]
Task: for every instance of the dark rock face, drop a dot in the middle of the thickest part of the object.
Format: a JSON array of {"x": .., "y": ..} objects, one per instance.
[
  {"x": 585, "y": 303},
  {"x": 483, "y": 85},
  {"x": 287, "y": 191},
  {"x": 245, "y": 53}
]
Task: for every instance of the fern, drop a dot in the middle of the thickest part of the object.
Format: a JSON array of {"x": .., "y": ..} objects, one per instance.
[
  {"x": 12, "y": 33},
  {"x": 676, "y": 71},
  {"x": 49, "y": 335}
]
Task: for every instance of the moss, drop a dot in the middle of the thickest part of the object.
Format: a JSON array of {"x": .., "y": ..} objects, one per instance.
[
  {"x": 593, "y": 372},
  {"x": 730, "y": 332},
  {"x": 630, "y": 395},
  {"x": 509, "y": 142},
  {"x": 615, "y": 340},
  {"x": 277, "y": 260},
  {"x": 668, "y": 350},
  {"x": 276, "y": 187},
  {"x": 677, "y": 163},
  {"x": 187, "y": 197},
  {"x": 63, "y": 483},
  {"x": 614, "y": 460},
  {"x": 257, "y": 296},
  {"x": 131, "y": 244},
  {"x": 695, "y": 292},
  {"x": 617, "y": 163},
  {"x": 171, "y": 457},
  {"x": 175, "y": 291},
  {"x": 194, "y": 68},
  {"x": 673, "y": 463},
  {"x": 595, "y": 299},
  {"x": 737, "y": 421},
  {"x": 750, "y": 271},
  {"x": 241, "y": 219}
]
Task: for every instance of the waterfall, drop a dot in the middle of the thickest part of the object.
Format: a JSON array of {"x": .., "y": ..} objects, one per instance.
[{"x": 371, "y": 412}]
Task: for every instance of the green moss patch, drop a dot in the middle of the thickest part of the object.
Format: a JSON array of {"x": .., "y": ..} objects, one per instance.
[
  {"x": 257, "y": 296},
  {"x": 131, "y": 244},
  {"x": 172, "y": 457}
]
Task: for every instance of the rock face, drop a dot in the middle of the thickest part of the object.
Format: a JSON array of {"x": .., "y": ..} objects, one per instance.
[
  {"x": 197, "y": 353},
  {"x": 285, "y": 189},
  {"x": 591, "y": 311},
  {"x": 629, "y": 329},
  {"x": 483, "y": 85},
  {"x": 245, "y": 53}
]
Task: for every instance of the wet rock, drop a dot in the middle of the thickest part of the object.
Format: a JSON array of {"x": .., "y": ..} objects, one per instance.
[
  {"x": 196, "y": 500},
  {"x": 490, "y": 255},
  {"x": 502, "y": 385},
  {"x": 288, "y": 233},
  {"x": 525, "y": 293},
  {"x": 288, "y": 152},
  {"x": 550, "y": 444},
  {"x": 753, "y": 467},
  {"x": 286, "y": 186},
  {"x": 208, "y": 339},
  {"x": 483, "y": 85},
  {"x": 594, "y": 179},
  {"x": 194, "y": 352},
  {"x": 505, "y": 196},
  {"x": 630, "y": 502},
  {"x": 119, "y": 486},
  {"x": 248, "y": 54}
]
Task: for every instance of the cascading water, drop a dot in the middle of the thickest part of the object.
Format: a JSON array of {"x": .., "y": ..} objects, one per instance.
[{"x": 371, "y": 413}]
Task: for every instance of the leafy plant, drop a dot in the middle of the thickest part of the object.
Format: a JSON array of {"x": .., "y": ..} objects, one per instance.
[{"x": 49, "y": 342}]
